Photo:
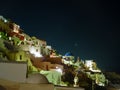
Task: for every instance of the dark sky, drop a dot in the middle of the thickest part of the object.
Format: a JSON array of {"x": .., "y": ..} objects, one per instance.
[{"x": 89, "y": 29}]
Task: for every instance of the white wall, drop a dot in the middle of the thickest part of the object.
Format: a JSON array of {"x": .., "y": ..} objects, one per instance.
[{"x": 14, "y": 71}]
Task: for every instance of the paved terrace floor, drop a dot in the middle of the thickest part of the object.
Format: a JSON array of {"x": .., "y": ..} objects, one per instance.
[{"x": 10, "y": 85}]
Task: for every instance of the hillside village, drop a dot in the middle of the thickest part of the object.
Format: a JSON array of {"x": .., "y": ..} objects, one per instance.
[{"x": 15, "y": 45}]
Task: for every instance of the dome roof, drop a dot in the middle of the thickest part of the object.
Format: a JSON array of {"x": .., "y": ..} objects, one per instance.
[{"x": 68, "y": 54}]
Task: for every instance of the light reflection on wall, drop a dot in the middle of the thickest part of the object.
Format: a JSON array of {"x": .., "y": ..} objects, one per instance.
[
  {"x": 36, "y": 53},
  {"x": 59, "y": 69},
  {"x": 89, "y": 64}
]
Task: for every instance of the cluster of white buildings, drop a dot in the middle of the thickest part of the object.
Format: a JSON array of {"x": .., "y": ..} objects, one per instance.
[
  {"x": 33, "y": 45},
  {"x": 39, "y": 48}
]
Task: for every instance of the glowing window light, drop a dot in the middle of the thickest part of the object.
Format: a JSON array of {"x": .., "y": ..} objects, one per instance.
[
  {"x": 5, "y": 20},
  {"x": 59, "y": 69}
]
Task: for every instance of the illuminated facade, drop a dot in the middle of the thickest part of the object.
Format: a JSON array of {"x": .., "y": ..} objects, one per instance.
[
  {"x": 35, "y": 46},
  {"x": 89, "y": 64}
]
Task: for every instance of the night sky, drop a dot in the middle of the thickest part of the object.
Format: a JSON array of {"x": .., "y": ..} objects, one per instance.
[{"x": 89, "y": 29}]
